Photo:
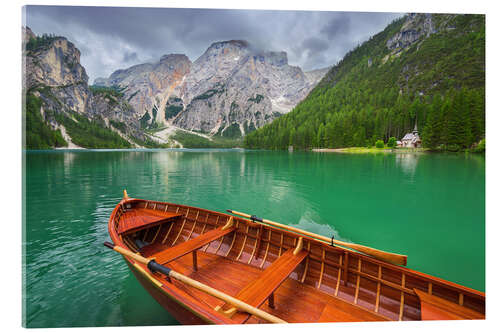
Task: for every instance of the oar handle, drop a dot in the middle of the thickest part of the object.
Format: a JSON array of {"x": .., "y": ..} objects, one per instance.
[
  {"x": 127, "y": 253},
  {"x": 241, "y": 214},
  {"x": 153, "y": 266},
  {"x": 394, "y": 258}
]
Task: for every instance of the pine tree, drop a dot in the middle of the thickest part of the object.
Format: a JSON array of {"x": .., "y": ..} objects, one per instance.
[
  {"x": 321, "y": 136},
  {"x": 431, "y": 136}
]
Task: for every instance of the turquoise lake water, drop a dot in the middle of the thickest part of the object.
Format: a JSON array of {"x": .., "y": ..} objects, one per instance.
[{"x": 428, "y": 206}]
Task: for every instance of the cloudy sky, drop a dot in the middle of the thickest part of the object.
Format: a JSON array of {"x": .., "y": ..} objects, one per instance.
[{"x": 111, "y": 38}]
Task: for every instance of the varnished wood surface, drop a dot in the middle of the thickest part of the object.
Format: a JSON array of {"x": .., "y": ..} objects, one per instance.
[
  {"x": 395, "y": 258},
  {"x": 188, "y": 311},
  {"x": 294, "y": 302},
  {"x": 435, "y": 308},
  {"x": 256, "y": 292},
  {"x": 376, "y": 289},
  {"x": 337, "y": 310},
  {"x": 186, "y": 247},
  {"x": 138, "y": 219}
]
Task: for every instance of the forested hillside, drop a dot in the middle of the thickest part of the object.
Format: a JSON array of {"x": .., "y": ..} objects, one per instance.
[{"x": 428, "y": 69}]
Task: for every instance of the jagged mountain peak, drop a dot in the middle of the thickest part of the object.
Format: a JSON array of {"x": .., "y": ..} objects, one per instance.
[
  {"x": 173, "y": 57},
  {"x": 232, "y": 84},
  {"x": 229, "y": 52},
  {"x": 227, "y": 43},
  {"x": 273, "y": 58},
  {"x": 238, "y": 48}
]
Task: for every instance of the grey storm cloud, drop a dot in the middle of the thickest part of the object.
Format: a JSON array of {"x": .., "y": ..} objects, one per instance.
[
  {"x": 337, "y": 26},
  {"x": 112, "y": 38},
  {"x": 314, "y": 44},
  {"x": 130, "y": 57}
]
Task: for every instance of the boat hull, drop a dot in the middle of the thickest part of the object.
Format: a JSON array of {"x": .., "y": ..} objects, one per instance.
[{"x": 176, "y": 308}]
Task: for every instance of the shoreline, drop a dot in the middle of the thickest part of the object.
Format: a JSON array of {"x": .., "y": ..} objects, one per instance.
[
  {"x": 361, "y": 150},
  {"x": 347, "y": 150}
]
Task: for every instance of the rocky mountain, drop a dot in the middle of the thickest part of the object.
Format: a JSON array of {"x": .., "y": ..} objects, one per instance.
[
  {"x": 422, "y": 69},
  {"x": 230, "y": 90},
  {"x": 61, "y": 108},
  {"x": 149, "y": 86},
  {"x": 54, "y": 62},
  {"x": 416, "y": 27}
]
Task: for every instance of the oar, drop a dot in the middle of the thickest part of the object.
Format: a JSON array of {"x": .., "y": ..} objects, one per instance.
[
  {"x": 153, "y": 266},
  {"x": 394, "y": 258}
]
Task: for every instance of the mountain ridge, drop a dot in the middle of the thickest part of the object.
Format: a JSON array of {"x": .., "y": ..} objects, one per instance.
[
  {"x": 209, "y": 96},
  {"x": 420, "y": 67},
  {"x": 218, "y": 91}
]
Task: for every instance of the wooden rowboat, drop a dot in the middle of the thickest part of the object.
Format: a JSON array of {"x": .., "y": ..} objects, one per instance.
[{"x": 208, "y": 267}]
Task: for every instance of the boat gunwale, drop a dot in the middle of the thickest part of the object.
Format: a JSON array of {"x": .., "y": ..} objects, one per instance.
[
  {"x": 451, "y": 286},
  {"x": 406, "y": 270}
]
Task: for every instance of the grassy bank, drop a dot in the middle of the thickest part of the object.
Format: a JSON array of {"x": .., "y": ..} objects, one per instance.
[
  {"x": 480, "y": 149},
  {"x": 371, "y": 150},
  {"x": 189, "y": 140}
]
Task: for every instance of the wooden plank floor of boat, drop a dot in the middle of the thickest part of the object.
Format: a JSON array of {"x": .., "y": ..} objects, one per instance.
[{"x": 294, "y": 302}]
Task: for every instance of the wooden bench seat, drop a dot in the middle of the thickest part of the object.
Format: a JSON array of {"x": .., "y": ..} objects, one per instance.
[
  {"x": 436, "y": 308},
  {"x": 191, "y": 245},
  {"x": 142, "y": 218},
  {"x": 257, "y": 291}
]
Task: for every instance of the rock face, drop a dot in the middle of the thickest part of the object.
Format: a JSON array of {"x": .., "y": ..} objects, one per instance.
[
  {"x": 55, "y": 63},
  {"x": 52, "y": 72},
  {"x": 111, "y": 108},
  {"x": 415, "y": 27},
  {"x": 26, "y": 34},
  {"x": 229, "y": 90},
  {"x": 149, "y": 86}
]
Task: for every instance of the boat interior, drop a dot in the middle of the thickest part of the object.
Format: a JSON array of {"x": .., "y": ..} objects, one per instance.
[{"x": 293, "y": 277}]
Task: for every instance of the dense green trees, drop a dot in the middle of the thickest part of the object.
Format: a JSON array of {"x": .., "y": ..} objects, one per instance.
[
  {"x": 40, "y": 42},
  {"x": 145, "y": 119},
  {"x": 481, "y": 147},
  {"x": 172, "y": 111},
  {"x": 392, "y": 142},
  {"x": 83, "y": 132},
  {"x": 372, "y": 95},
  {"x": 455, "y": 121},
  {"x": 38, "y": 134},
  {"x": 90, "y": 133},
  {"x": 112, "y": 93},
  {"x": 189, "y": 140}
]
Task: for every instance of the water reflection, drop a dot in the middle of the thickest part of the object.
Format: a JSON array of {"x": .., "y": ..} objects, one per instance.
[{"x": 407, "y": 162}]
